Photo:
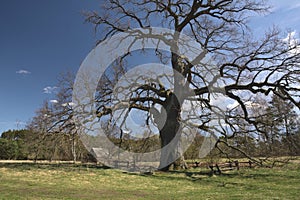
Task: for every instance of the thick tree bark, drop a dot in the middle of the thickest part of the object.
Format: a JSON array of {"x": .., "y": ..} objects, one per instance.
[{"x": 170, "y": 134}]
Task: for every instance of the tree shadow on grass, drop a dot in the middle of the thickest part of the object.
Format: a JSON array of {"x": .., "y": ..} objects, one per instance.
[
  {"x": 51, "y": 166},
  {"x": 204, "y": 175},
  {"x": 173, "y": 175}
]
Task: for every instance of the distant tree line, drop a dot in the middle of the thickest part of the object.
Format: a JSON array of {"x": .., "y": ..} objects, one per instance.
[{"x": 28, "y": 145}]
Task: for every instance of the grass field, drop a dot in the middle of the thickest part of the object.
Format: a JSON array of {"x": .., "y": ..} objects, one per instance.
[{"x": 65, "y": 181}]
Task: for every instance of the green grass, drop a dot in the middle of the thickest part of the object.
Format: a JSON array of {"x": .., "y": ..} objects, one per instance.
[{"x": 65, "y": 181}]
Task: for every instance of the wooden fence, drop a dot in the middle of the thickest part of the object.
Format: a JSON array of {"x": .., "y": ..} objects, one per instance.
[{"x": 218, "y": 168}]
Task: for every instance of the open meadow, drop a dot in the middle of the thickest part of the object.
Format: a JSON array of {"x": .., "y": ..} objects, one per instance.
[{"x": 68, "y": 181}]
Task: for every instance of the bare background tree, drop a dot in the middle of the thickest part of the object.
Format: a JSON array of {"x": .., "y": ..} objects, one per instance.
[{"x": 55, "y": 135}]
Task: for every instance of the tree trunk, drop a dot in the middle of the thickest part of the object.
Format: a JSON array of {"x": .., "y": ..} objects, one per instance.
[
  {"x": 74, "y": 155},
  {"x": 170, "y": 135}
]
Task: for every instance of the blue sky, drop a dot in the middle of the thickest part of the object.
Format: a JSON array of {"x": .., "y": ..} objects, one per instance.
[
  {"x": 41, "y": 39},
  {"x": 38, "y": 41}
]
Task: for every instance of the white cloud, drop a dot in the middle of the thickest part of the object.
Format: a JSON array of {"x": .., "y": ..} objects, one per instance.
[
  {"x": 49, "y": 89},
  {"x": 248, "y": 104},
  {"x": 68, "y": 104},
  {"x": 53, "y": 101},
  {"x": 233, "y": 105},
  {"x": 293, "y": 42},
  {"x": 290, "y": 37},
  {"x": 23, "y": 71}
]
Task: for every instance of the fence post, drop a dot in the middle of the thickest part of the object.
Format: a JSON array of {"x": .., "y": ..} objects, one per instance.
[{"x": 236, "y": 162}]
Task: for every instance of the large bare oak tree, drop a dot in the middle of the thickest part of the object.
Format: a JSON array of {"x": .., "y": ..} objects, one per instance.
[{"x": 245, "y": 65}]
